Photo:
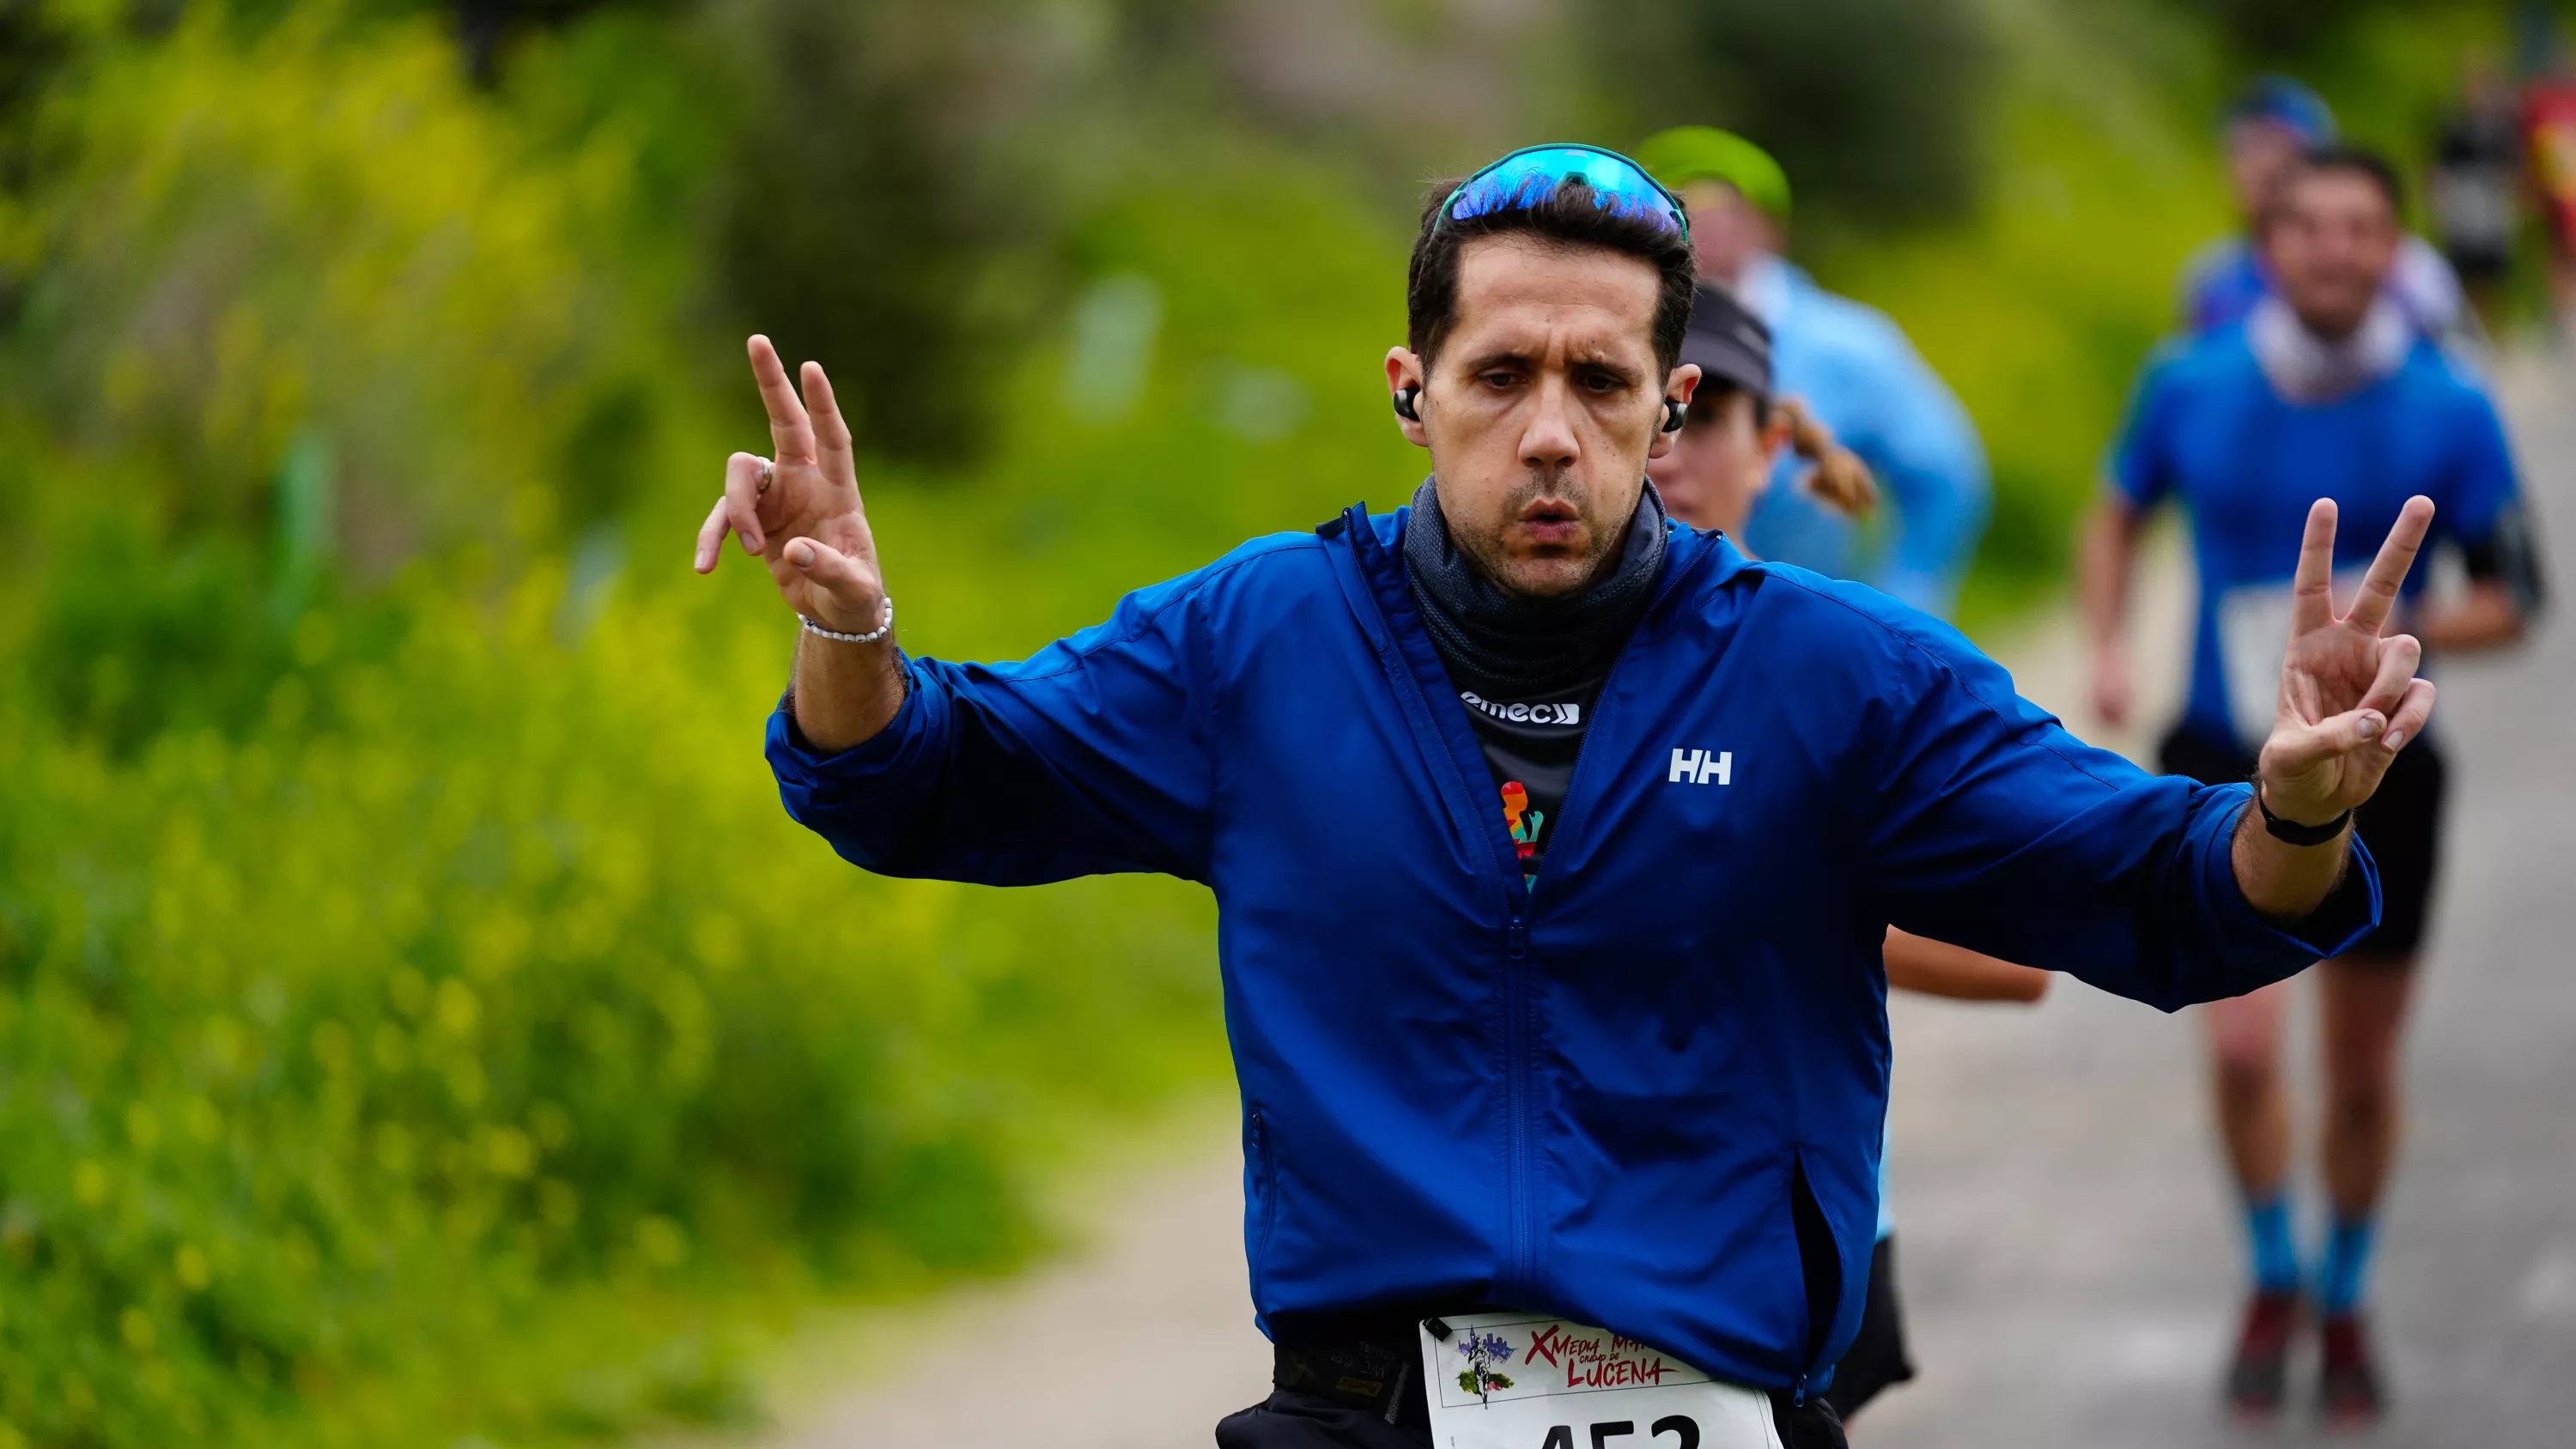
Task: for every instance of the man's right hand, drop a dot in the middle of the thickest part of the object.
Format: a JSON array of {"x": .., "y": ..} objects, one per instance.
[
  {"x": 810, "y": 528},
  {"x": 808, "y": 525}
]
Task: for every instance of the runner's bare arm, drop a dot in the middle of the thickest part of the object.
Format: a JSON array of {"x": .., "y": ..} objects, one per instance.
[
  {"x": 1937, "y": 968},
  {"x": 809, "y": 526},
  {"x": 2349, "y": 701},
  {"x": 2485, "y": 616},
  {"x": 2104, "y": 559}
]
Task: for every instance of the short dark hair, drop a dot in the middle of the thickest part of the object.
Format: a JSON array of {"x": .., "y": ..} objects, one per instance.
[
  {"x": 2341, "y": 160},
  {"x": 1566, "y": 217}
]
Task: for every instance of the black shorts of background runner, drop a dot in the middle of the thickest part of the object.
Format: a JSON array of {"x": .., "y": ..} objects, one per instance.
[
  {"x": 1336, "y": 1395},
  {"x": 1877, "y": 1358},
  {"x": 2402, "y": 825}
]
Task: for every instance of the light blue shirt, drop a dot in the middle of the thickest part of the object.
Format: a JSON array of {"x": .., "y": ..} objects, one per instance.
[
  {"x": 1854, "y": 369},
  {"x": 1886, "y": 1209}
]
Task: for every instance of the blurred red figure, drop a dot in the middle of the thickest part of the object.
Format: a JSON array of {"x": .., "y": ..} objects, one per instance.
[{"x": 2549, "y": 139}]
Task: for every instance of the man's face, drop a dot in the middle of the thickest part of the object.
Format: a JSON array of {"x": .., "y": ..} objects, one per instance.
[
  {"x": 1727, "y": 231},
  {"x": 1720, "y": 464},
  {"x": 2258, "y": 151},
  {"x": 2330, "y": 239},
  {"x": 1542, "y": 407}
]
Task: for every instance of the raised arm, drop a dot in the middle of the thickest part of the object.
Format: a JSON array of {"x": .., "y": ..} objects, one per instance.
[
  {"x": 800, "y": 513},
  {"x": 1989, "y": 827},
  {"x": 1088, "y": 757},
  {"x": 2349, "y": 701}
]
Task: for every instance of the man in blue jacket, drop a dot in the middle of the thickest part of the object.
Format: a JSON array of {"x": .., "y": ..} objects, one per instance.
[{"x": 1562, "y": 1092}]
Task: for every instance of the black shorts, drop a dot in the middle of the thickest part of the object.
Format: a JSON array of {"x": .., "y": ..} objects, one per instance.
[
  {"x": 1877, "y": 1358},
  {"x": 2402, "y": 825}
]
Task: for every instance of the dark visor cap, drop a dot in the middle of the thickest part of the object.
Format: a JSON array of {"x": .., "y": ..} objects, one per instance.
[{"x": 1727, "y": 342}]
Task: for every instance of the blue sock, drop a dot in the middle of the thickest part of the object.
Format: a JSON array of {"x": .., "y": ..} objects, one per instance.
[
  {"x": 2276, "y": 1249},
  {"x": 2347, "y": 1263}
]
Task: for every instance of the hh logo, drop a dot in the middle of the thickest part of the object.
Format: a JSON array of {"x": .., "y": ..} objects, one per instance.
[{"x": 1698, "y": 767}]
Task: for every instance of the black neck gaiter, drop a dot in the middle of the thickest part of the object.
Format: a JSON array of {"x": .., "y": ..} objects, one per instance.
[{"x": 1530, "y": 647}]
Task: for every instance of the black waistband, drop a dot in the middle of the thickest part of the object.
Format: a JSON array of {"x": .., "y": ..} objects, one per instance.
[{"x": 1376, "y": 1366}]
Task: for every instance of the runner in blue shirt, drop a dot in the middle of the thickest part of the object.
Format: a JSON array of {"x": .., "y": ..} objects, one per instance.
[
  {"x": 2324, "y": 390},
  {"x": 1560, "y": 1145}
]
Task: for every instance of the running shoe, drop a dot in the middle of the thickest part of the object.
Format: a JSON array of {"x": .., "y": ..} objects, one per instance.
[
  {"x": 2349, "y": 1395},
  {"x": 2258, "y": 1378}
]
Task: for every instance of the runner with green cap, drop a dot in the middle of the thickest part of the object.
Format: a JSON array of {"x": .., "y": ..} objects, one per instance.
[
  {"x": 1853, "y": 369},
  {"x": 1712, "y": 170}
]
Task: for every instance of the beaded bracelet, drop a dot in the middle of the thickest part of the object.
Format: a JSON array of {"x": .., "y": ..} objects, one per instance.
[{"x": 868, "y": 638}]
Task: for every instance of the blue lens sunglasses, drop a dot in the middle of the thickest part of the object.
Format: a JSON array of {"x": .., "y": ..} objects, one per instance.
[{"x": 1532, "y": 174}]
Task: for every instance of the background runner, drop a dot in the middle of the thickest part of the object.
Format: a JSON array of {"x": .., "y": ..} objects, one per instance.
[{"x": 2323, "y": 390}]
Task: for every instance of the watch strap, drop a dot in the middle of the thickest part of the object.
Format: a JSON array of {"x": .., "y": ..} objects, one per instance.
[{"x": 2292, "y": 831}]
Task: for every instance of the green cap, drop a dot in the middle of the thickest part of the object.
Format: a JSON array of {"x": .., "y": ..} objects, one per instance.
[{"x": 1686, "y": 154}]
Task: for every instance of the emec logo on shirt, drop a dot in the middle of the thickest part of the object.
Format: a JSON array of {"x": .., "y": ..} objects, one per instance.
[
  {"x": 1698, "y": 767},
  {"x": 1562, "y": 713}
]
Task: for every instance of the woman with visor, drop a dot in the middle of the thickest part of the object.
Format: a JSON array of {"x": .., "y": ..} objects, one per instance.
[{"x": 1726, "y": 457}]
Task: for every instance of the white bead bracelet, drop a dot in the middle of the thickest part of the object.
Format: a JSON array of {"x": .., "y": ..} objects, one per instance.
[{"x": 868, "y": 638}]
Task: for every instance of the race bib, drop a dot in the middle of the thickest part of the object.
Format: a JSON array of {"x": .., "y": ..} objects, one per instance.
[
  {"x": 1525, "y": 1381},
  {"x": 2253, "y": 637}
]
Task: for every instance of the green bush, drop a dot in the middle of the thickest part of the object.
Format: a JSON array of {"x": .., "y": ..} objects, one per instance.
[
  {"x": 415, "y": 1010},
  {"x": 479, "y": 964}
]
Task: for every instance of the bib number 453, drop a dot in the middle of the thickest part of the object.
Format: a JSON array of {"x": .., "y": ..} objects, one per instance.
[{"x": 1681, "y": 1426}]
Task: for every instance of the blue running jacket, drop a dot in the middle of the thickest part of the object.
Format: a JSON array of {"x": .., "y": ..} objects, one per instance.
[{"x": 1606, "y": 1099}]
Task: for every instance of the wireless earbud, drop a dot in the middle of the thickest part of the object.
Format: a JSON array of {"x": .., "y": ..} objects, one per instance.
[
  {"x": 1404, "y": 407},
  {"x": 1675, "y": 414}
]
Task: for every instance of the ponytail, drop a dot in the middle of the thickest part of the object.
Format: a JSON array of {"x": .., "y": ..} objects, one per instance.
[{"x": 1838, "y": 476}]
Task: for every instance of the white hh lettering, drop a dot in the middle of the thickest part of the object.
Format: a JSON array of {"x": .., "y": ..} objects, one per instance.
[{"x": 1698, "y": 767}]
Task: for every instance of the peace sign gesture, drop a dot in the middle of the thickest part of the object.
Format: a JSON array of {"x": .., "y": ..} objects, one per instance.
[
  {"x": 801, "y": 514},
  {"x": 2350, "y": 699}
]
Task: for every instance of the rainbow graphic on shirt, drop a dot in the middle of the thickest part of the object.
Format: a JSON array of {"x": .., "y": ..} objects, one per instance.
[{"x": 1525, "y": 825}]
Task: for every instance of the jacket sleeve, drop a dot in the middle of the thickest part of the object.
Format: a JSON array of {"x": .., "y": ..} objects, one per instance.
[
  {"x": 1926, "y": 453},
  {"x": 1090, "y": 757},
  {"x": 1995, "y": 829}
]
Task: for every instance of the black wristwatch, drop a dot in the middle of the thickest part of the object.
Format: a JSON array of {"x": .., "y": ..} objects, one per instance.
[{"x": 2294, "y": 832}]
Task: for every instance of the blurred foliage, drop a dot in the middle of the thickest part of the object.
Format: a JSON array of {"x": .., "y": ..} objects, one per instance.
[
  {"x": 1870, "y": 105},
  {"x": 398, "y": 932},
  {"x": 417, "y": 1019},
  {"x": 2306, "y": 32},
  {"x": 910, "y": 176},
  {"x": 869, "y": 201}
]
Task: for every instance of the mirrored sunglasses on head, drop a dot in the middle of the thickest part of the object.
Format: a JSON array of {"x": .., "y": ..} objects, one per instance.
[{"x": 1533, "y": 174}]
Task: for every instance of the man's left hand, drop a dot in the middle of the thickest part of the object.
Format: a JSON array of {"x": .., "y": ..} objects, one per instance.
[{"x": 2350, "y": 699}]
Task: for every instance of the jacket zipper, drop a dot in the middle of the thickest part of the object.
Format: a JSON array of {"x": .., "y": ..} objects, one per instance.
[{"x": 1519, "y": 1001}]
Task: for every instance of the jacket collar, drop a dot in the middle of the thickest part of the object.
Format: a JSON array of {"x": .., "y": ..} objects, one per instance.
[{"x": 1694, "y": 559}]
